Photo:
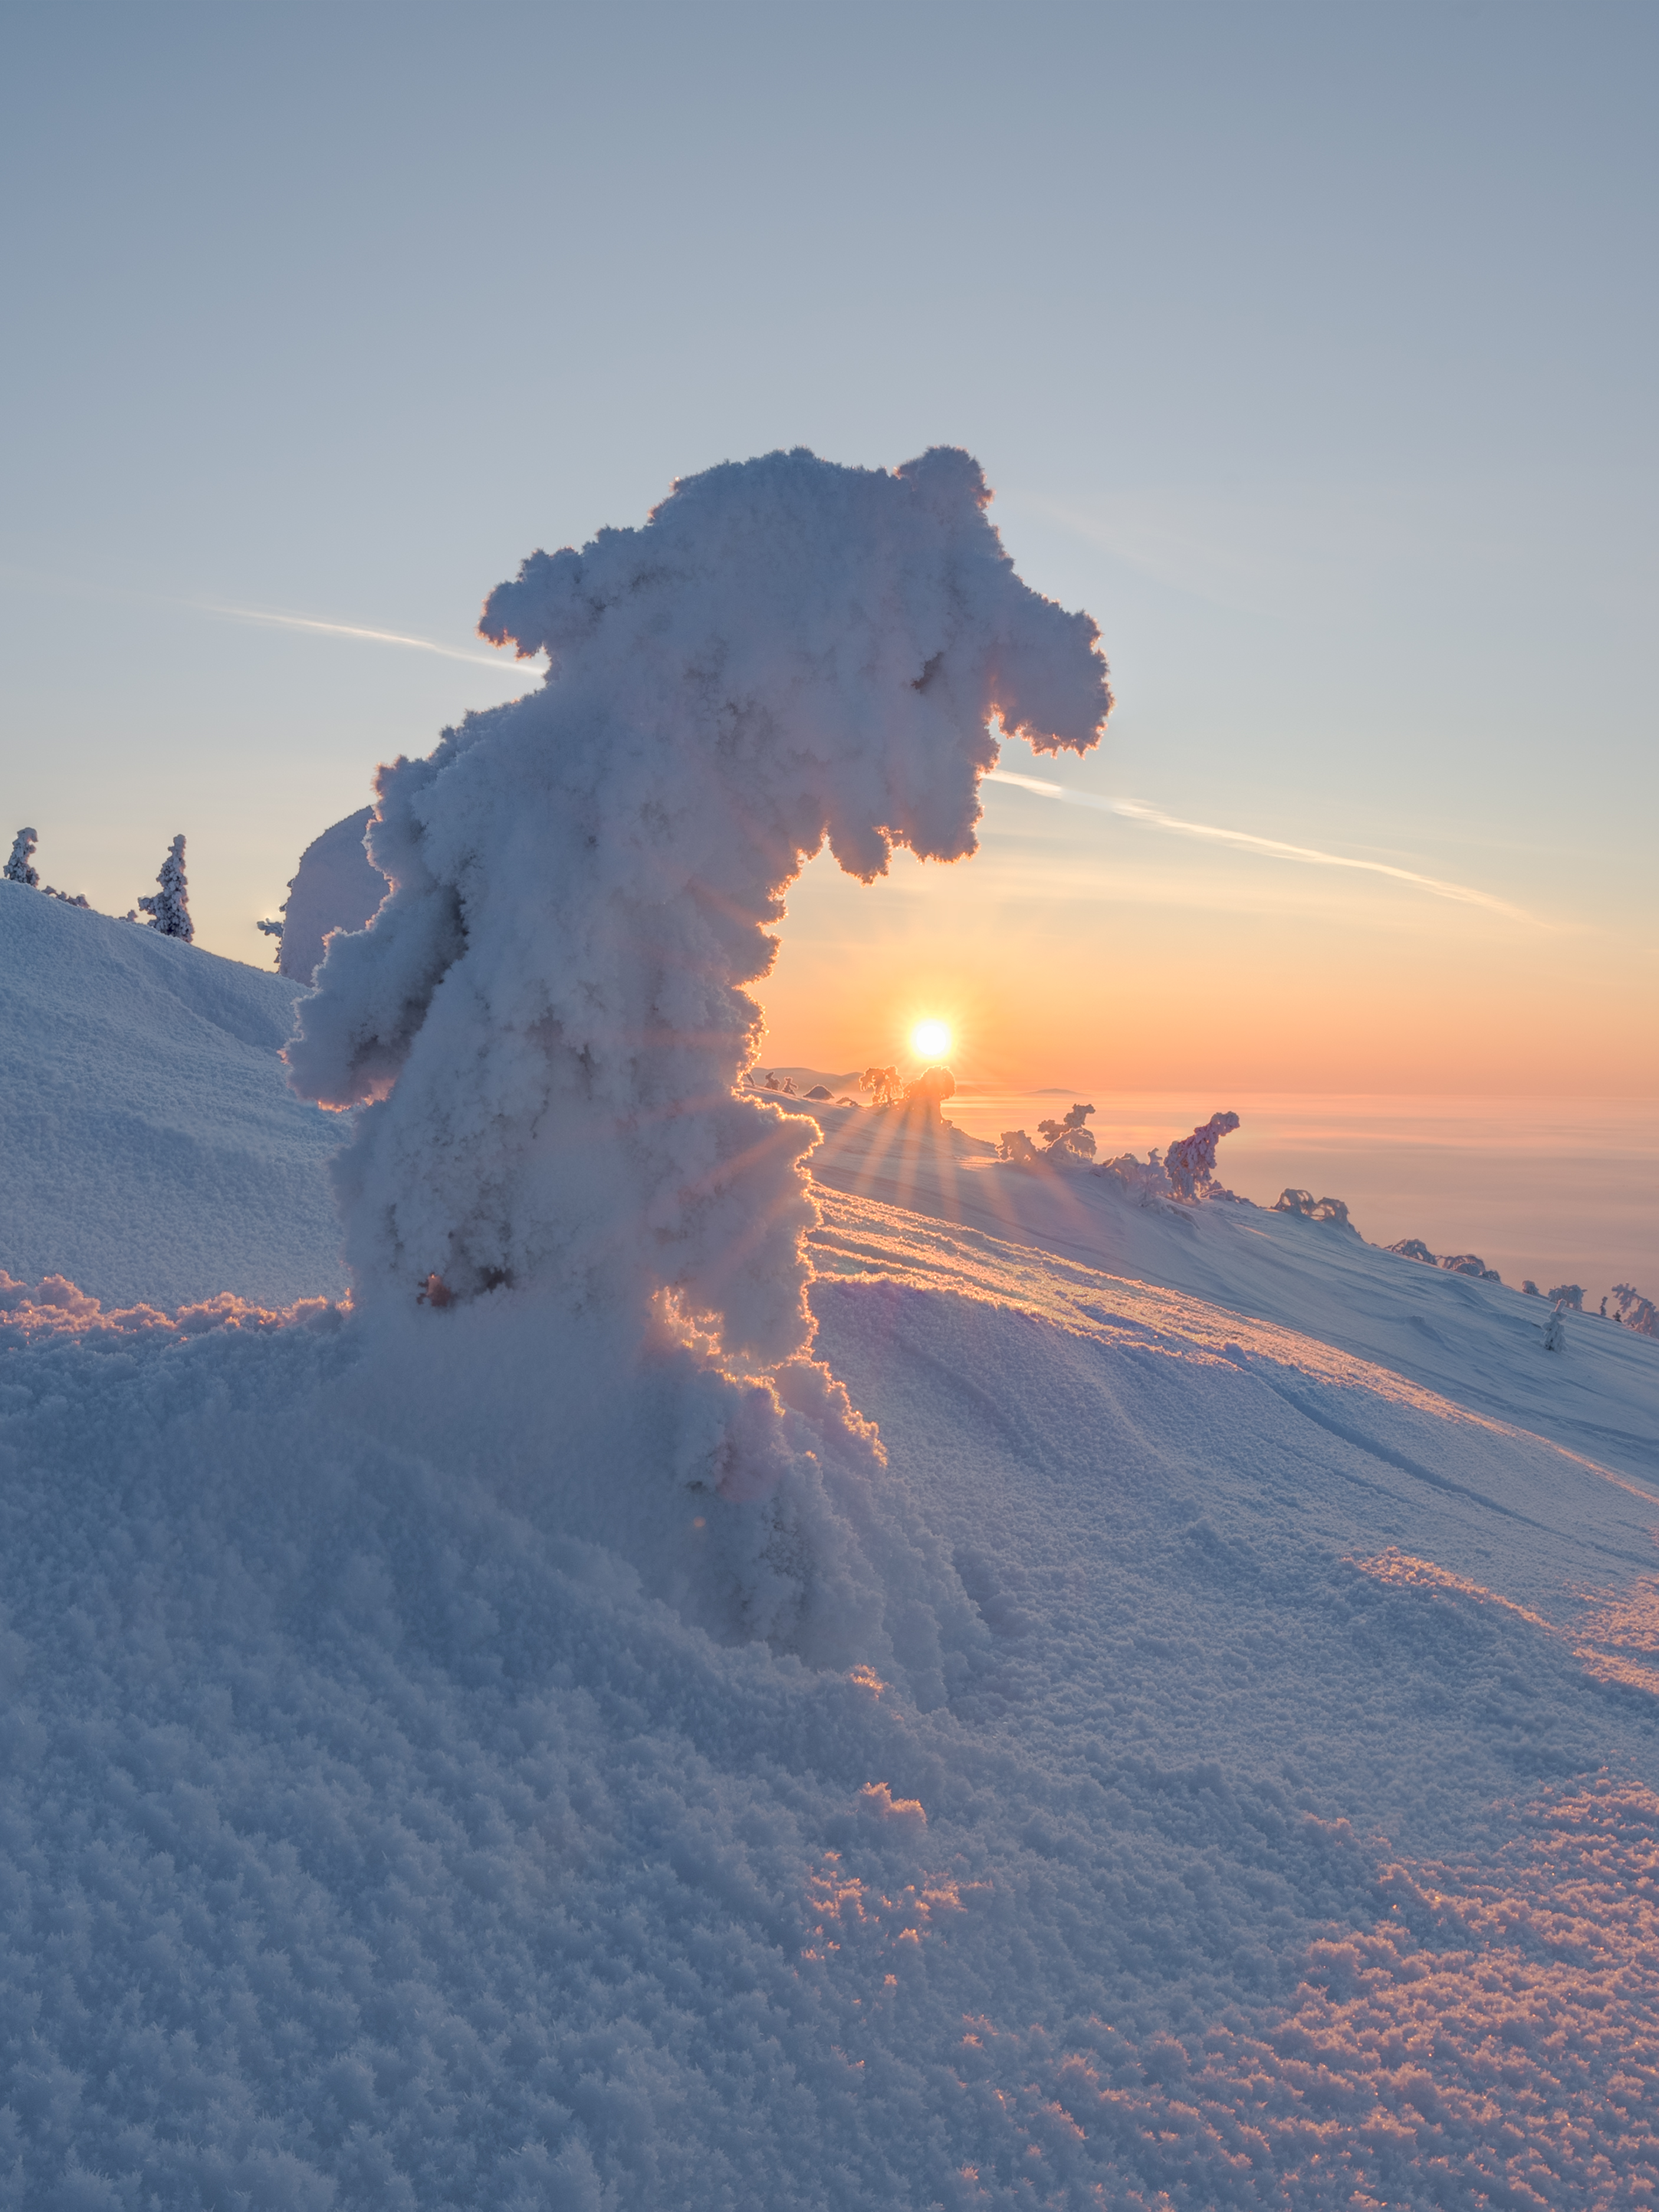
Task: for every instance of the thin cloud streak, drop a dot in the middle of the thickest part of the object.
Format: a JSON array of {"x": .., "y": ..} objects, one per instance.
[
  {"x": 1272, "y": 849},
  {"x": 501, "y": 663}
]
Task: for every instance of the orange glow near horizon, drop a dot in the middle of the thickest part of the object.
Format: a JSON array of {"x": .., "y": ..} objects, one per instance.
[{"x": 1137, "y": 976}]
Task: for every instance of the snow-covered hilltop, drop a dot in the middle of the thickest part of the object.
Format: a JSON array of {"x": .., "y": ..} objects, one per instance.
[{"x": 1087, "y": 1704}]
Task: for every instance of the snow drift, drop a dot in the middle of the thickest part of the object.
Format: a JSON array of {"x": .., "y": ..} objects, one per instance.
[{"x": 544, "y": 1025}]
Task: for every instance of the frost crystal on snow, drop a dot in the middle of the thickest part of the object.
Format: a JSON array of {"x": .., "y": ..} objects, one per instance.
[{"x": 547, "y": 1019}]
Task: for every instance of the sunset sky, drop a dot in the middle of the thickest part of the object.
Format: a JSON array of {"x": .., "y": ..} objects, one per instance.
[{"x": 1308, "y": 349}]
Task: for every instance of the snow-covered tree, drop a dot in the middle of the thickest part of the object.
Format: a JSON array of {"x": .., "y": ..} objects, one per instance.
[
  {"x": 1408, "y": 1248},
  {"x": 1555, "y": 1333},
  {"x": 1068, "y": 1137},
  {"x": 1529, "y": 1289},
  {"x": 18, "y": 870},
  {"x": 270, "y": 928},
  {"x": 1063, "y": 1142},
  {"x": 1144, "y": 1181},
  {"x": 1469, "y": 1263},
  {"x": 1568, "y": 1294},
  {"x": 1634, "y": 1311},
  {"x": 169, "y": 906},
  {"x": 930, "y": 1090},
  {"x": 1190, "y": 1162},
  {"x": 1335, "y": 1209},
  {"x": 884, "y": 1083}
]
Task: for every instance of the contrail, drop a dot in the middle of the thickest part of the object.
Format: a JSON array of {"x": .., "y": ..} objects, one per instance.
[
  {"x": 1273, "y": 848},
  {"x": 498, "y": 662}
]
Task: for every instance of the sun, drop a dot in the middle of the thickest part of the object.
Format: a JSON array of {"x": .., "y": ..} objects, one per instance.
[{"x": 932, "y": 1040}]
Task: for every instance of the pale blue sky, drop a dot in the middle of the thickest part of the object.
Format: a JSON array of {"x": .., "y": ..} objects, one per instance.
[{"x": 1311, "y": 348}]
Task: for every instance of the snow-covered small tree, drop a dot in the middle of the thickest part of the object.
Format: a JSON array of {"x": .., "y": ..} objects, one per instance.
[
  {"x": 169, "y": 906},
  {"x": 1568, "y": 1294},
  {"x": 1555, "y": 1333},
  {"x": 1190, "y": 1162},
  {"x": 1144, "y": 1181},
  {"x": 1069, "y": 1137},
  {"x": 1336, "y": 1209},
  {"x": 1469, "y": 1263},
  {"x": 1529, "y": 1289},
  {"x": 1063, "y": 1142},
  {"x": 884, "y": 1083},
  {"x": 269, "y": 928},
  {"x": 18, "y": 870},
  {"x": 930, "y": 1090},
  {"x": 1634, "y": 1311},
  {"x": 1408, "y": 1248}
]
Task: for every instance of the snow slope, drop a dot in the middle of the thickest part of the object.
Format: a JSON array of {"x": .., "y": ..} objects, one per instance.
[
  {"x": 152, "y": 1147},
  {"x": 1260, "y": 1807},
  {"x": 1287, "y": 1835},
  {"x": 1476, "y": 1343}
]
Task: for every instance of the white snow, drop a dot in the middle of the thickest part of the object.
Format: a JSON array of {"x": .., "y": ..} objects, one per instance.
[
  {"x": 1203, "y": 1750},
  {"x": 336, "y": 886},
  {"x": 152, "y": 1148},
  {"x": 1286, "y": 1828},
  {"x": 1471, "y": 1341}
]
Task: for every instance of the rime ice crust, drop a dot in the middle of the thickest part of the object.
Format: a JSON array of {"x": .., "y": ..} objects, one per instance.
[{"x": 549, "y": 1012}]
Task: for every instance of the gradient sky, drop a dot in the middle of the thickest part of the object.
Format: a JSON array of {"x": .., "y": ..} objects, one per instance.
[{"x": 1309, "y": 348}]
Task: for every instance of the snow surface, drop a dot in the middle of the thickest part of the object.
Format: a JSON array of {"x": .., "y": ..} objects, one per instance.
[
  {"x": 1279, "y": 1826},
  {"x": 151, "y": 1146},
  {"x": 1472, "y": 1341}
]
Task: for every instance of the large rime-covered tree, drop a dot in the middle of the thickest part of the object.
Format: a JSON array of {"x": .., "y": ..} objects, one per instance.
[
  {"x": 1190, "y": 1163},
  {"x": 169, "y": 906},
  {"x": 546, "y": 1027},
  {"x": 18, "y": 869}
]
